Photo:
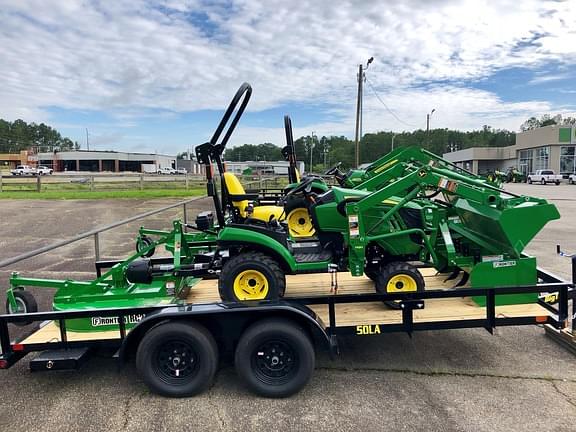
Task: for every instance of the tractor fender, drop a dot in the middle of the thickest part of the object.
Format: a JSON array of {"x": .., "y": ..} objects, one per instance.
[
  {"x": 258, "y": 239},
  {"x": 227, "y": 321}
]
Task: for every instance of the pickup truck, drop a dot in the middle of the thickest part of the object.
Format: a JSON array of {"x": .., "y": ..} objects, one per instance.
[
  {"x": 44, "y": 170},
  {"x": 23, "y": 170},
  {"x": 544, "y": 176},
  {"x": 166, "y": 170}
]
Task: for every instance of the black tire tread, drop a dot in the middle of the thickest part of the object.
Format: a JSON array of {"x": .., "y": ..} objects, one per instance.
[
  {"x": 257, "y": 332},
  {"x": 394, "y": 268},
  {"x": 206, "y": 342},
  {"x": 247, "y": 257}
]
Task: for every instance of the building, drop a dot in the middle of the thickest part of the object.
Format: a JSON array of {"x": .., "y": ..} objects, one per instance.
[
  {"x": 550, "y": 147},
  {"x": 99, "y": 161},
  {"x": 262, "y": 167},
  {"x": 11, "y": 160}
]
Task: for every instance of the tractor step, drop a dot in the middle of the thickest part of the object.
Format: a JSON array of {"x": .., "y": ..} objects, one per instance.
[
  {"x": 306, "y": 247},
  {"x": 313, "y": 257},
  {"x": 64, "y": 359}
]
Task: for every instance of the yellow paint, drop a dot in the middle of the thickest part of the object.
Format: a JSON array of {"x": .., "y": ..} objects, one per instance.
[
  {"x": 363, "y": 330},
  {"x": 250, "y": 285},
  {"x": 401, "y": 283}
]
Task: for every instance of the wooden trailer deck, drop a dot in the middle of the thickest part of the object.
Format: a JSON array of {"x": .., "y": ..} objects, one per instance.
[{"x": 350, "y": 314}]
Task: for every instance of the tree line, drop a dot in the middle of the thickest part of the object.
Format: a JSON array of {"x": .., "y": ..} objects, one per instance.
[
  {"x": 329, "y": 150},
  {"x": 18, "y": 135}
]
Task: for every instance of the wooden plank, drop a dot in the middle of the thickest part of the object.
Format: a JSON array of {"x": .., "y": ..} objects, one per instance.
[
  {"x": 316, "y": 284},
  {"x": 453, "y": 309},
  {"x": 51, "y": 333}
]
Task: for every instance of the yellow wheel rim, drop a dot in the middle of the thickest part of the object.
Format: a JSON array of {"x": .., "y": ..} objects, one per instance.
[
  {"x": 250, "y": 285},
  {"x": 299, "y": 223},
  {"x": 401, "y": 283}
]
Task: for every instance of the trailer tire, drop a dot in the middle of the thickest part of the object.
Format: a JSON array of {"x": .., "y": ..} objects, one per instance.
[
  {"x": 26, "y": 304},
  {"x": 275, "y": 358},
  {"x": 190, "y": 371},
  {"x": 251, "y": 276}
]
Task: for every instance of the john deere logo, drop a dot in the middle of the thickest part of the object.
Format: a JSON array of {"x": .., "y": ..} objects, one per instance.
[{"x": 422, "y": 173}]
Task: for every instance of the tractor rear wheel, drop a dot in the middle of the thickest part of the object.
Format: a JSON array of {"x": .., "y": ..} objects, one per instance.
[
  {"x": 298, "y": 219},
  {"x": 251, "y": 276}
]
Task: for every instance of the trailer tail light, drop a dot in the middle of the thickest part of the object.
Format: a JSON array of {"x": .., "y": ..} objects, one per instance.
[
  {"x": 542, "y": 319},
  {"x": 3, "y": 364},
  {"x": 17, "y": 347}
]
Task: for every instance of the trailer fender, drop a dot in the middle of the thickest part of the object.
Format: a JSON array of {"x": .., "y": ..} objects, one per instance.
[{"x": 239, "y": 316}]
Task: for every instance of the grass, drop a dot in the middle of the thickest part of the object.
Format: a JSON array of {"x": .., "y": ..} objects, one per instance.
[{"x": 143, "y": 194}]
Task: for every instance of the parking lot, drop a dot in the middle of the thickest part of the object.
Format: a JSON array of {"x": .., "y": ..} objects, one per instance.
[{"x": 456, "y": 380}]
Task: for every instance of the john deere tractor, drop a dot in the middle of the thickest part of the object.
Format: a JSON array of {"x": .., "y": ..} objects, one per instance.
[{"x": 408, "y": 212}]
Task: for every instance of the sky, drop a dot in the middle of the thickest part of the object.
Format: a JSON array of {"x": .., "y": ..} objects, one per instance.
[{"x": 156, "y": 76}]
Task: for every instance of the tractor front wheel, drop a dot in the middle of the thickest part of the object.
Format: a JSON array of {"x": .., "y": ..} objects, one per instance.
[
  {"x": 398, "y": 277},
  {"x": 251, "y": 276}
]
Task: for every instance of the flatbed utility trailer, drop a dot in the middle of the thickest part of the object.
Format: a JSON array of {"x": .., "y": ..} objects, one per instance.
[{"x": 177, "y": 346}]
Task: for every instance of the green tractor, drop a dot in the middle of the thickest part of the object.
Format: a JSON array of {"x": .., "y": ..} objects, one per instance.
[{"x": 407, "y": 214}]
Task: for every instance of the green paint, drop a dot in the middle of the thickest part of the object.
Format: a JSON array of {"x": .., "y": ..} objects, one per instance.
[
  {"x": 511, "y": 272},
  {"x": 564, "y": 135}
]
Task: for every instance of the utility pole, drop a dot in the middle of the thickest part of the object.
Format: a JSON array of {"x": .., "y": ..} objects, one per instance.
[
  {"x": 87, "y": 142},
  {"x": 393, "y": 136},
  {"x": 428, "y": 125},
  {"x": 311, "y": 148},
  {"x": 358, "y": 135}
]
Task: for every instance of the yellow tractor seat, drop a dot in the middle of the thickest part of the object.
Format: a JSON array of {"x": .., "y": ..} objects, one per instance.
[{"x": 242, "y": 201}]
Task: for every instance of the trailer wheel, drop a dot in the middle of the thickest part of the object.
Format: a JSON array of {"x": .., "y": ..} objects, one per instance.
[
  {"x": 177, "y": 359},
  {"x": 26, "y": 304},
  {"x": 251, "y": 276},
  {"x": 275, "y": 358},
  {"x": 399, "y": 277},
  {"x": 142, "y": 243}
]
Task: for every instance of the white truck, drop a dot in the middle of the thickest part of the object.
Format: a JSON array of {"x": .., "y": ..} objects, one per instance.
[
  {"x": 544, "y": 176},
  {"x": 44, "y": 170},
  {"x": 166, "y": 170},
  {"x": 23, "y": 170}
]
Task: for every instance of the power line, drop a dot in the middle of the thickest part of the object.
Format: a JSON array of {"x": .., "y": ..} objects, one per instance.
[{"x": 386, "y": 106}]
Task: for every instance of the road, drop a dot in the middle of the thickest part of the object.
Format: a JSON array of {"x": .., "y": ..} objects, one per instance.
[{"x": 453, "y": 380}]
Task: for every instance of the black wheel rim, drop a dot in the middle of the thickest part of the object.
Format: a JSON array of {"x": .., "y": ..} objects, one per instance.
[
  {"x": 176, "y": 362},
  {"x": 275, "y": 362}
]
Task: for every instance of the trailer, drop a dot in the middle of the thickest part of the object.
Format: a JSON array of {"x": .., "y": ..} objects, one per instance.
[{"x": 177, "y": 346}]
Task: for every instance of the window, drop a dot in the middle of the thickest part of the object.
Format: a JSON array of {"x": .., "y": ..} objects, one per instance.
[
  {"x": 542, "y": 158},
  {"x": 525, "y": 161},
  {"x": 567, "y": 160}
]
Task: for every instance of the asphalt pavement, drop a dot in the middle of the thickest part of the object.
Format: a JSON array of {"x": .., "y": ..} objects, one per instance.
[{"x": 451, "y": 380}]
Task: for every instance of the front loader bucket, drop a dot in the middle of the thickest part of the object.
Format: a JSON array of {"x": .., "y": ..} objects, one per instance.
[{"x": 503, "y": 230}]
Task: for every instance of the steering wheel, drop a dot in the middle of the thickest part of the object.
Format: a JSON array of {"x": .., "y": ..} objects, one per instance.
[
  {"x": 334, "y": 170},
  {"x": 304, "y": 186}
]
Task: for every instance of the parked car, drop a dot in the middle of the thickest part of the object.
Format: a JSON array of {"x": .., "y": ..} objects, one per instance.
[
  {"x": 572, "y": 178},
  {"x": 544, "y": 176},
  {"x": 166, "y": 170},
  {"x": 182, "y": 171},
  {"x": 44, "y": 170},
  {"x": 23, "y": 170}
]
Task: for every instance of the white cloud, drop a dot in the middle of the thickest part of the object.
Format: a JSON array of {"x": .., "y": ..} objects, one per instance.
[{"x": 175, "y": 56}]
